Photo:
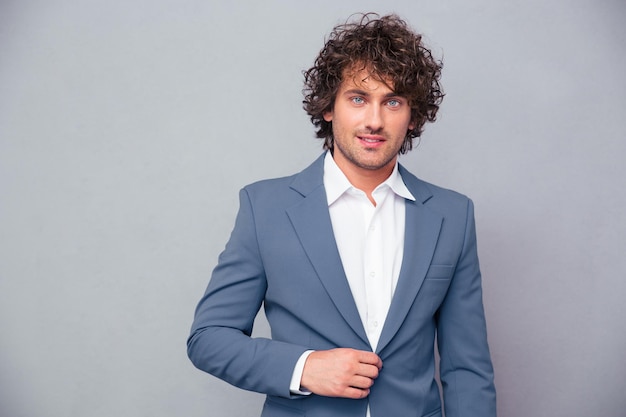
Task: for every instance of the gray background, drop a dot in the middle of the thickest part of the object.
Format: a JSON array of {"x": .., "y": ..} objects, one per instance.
[{"x": 127, "y": 128}]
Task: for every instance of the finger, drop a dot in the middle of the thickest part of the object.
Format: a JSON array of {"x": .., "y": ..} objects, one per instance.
[
  {"x": 361, "y": 382},
  {"x": 355, "y": 393},
  {"x": 368, "y": 371},
  {"x": 370, "y": 358}
]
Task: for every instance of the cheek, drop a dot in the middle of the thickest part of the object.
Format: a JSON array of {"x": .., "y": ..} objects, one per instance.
[
  {"x": 347, "y": 117},
  {"x": 405, "y": 123}
]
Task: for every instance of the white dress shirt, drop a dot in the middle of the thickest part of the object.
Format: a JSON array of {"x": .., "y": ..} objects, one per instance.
[{"x": 370, "y": 239}]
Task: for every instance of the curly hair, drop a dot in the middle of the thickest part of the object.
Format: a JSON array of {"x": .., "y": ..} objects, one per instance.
[{"x": 392, "y": 53}]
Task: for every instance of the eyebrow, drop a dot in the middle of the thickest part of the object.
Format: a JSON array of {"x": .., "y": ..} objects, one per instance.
[{"x": 365, "y": 93}]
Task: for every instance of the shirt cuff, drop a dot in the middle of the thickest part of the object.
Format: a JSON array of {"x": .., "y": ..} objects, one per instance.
[{"x": 296, "y": 377}]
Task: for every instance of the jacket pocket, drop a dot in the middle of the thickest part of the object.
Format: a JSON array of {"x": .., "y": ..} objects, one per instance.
[
  {"x": 436, "y": 413},
  {"x": 435, "y": 287},
  {"x": 440, "y": 272}
]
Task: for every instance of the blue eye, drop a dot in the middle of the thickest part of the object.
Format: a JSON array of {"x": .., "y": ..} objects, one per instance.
[
  {"x": 393, "y": 103},
  {"x": 358, "y": 100}
]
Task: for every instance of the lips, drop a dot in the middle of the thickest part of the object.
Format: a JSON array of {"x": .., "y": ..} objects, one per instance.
[{"x": 371, "y": 139}]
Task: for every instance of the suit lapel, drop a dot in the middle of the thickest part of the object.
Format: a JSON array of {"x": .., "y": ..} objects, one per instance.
[
  {"x": 311, "y": 221},
  {"x": 422, "y": 227}
]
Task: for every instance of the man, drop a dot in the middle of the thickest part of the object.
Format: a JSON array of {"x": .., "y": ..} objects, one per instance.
[{"x": 359, "y": 264}]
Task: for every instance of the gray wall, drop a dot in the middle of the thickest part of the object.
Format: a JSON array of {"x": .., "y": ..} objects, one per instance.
[{"x": 127, "y": 128}]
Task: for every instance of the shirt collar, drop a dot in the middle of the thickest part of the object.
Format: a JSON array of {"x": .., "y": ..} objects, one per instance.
[{"x": 336, "y": 183}]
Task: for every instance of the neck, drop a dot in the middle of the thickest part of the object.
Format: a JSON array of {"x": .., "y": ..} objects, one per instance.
[{"x": 365, "y": 179}]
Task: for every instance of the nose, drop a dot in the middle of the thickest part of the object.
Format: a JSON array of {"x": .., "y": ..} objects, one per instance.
[{"x": 374, "y": 118}]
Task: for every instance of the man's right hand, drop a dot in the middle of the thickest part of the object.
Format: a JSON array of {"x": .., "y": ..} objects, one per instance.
[{"x": 342, "y": 372}]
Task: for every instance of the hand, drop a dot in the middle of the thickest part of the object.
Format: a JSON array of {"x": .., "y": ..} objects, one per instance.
[{"x": 342, "y": 372}]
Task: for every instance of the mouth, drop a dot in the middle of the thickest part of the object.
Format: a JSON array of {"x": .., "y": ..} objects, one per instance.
[{"x": 371, "y": 140}]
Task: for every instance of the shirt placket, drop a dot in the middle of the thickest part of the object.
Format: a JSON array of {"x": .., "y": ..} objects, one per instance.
[{"x": 375, "y": 281}]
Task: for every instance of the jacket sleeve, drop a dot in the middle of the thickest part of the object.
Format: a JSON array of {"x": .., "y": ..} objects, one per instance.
[
  {"x": 465, "y": 368},
  {"x": 220, "y": 342}
]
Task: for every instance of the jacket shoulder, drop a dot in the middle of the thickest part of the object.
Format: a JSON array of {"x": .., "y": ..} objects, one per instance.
[{"x": 289, "y": 187}]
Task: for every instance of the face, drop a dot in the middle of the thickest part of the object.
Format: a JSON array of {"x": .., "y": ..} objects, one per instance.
[{"x": 370, "y": 122}]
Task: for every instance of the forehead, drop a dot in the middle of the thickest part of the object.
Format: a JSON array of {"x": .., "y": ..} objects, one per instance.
[{"x": 362, "y": 77}]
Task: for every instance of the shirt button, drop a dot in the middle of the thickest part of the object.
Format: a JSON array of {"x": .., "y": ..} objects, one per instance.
[{"x": 372, "y": 274}]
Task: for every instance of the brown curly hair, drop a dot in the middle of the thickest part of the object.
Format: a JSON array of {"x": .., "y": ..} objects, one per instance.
[{"x": 392, "y": 53}]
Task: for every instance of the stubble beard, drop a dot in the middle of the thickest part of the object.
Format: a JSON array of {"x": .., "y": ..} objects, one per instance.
[{"x": 356, "y": 155}]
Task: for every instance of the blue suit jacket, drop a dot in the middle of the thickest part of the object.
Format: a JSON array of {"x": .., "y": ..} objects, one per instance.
[{"x": 282, "y": 254}]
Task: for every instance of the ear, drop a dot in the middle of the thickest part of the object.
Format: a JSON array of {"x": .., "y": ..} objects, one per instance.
[{"x": 328, "y": 116}]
